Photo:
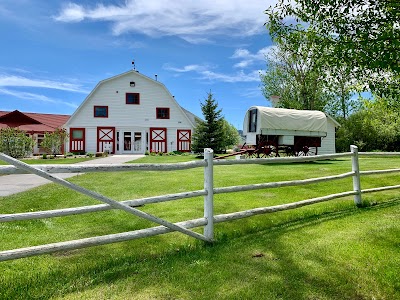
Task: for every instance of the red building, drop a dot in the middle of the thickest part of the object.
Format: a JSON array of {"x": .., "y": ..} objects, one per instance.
[{"x": 34, "y": 124}]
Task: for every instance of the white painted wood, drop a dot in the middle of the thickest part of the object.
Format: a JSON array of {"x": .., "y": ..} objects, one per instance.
[
  {"x": 379, "y": 153},
  {"x": 98, "y": 207},
  {"x": 183, "y": 227},
  {"x": 104, "y": 168},
  {"x": 251, "y": 187},
  {"x": 270, "y": 209},
  {"x": 95, "y": 241},
  {"x": 372, "y": 172},
  {"x": 209, "y": 198},
  {"x": 129, "y": 117},
  {"x": 279, "y": 160},
  {"x": 101, "y": 198},
  {"x": 356, "y": 177},
  {"x": 328, "y": 143},
  {"x": 380, "y": 189}
]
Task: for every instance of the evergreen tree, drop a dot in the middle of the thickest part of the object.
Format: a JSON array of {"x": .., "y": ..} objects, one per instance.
[{"x": 209, "y": 133}]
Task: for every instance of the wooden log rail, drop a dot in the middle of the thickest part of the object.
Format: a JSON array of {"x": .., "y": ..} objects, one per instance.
[{"x": 209, "y": 218}]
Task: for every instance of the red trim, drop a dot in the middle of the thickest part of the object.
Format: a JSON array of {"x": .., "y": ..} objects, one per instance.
[
  {"x": 100, "y": 106},
  {"x": 138, "y": 98},
  {"x": 183, "y": 140},
  {"x": 76, "y": 145},
  {"x": 158, "y": 140},
  {"x": 159, "y": 112},
  {"x": 105, "y": 135}
]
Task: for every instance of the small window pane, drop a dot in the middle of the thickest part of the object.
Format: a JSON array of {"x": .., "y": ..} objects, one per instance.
[
  {"x": 132, "y": 98},
  {"x": 101, "y": 111},
  {"x": 77, "y": 134},
  {"x": 162, "y": 113}
]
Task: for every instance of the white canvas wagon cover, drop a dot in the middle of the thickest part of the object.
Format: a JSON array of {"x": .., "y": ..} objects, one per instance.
[{"x": 291, "y": 119}]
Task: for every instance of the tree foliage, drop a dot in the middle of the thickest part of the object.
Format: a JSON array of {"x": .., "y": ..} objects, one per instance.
[
  {"x": 53, "y": 141},
  {"x": 15, "y": 143},
  {"x": 294, "y": 73},
  {"x": 363, "y": 36},
  {"x": 215, "y": 132},
  {"x": 231, "y": 134},
  {"x": 375, "y": 127}
]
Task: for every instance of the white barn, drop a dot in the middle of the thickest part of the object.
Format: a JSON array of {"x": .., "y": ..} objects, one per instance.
[
  {"x": 289, "y": 127},
  {"x": 127, "y": 114}
]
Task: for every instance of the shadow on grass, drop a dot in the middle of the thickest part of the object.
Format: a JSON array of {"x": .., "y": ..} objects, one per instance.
[{"x": 263, "y": 262}]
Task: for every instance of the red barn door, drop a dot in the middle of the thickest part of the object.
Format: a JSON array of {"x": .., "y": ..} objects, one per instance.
[
  {"x": 77, "y": 140},
  {"x": 183, "y": 140},
  {"x": 158, "y": 140},
  {"x": 106, "y": 139}
]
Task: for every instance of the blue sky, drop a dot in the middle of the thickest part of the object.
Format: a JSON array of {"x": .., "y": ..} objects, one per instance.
[{"x": 53, "y": 53}]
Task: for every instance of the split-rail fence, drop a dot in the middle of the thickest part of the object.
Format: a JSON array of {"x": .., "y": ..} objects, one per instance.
[{"x": 130, "y": 206}]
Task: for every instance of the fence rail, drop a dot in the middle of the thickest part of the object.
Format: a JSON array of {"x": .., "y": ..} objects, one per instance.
[{"x": 184, "y": 227}]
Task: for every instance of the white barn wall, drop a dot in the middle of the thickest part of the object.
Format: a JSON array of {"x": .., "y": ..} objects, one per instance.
[
  {"x": 129, "y": 117},
  {"x": 328, "y": 142}
]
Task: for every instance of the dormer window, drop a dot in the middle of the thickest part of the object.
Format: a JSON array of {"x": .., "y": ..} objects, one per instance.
[{"x": 132, "y": 98}]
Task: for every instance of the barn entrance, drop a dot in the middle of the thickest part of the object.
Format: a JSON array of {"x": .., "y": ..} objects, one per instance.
[
  {"x": 130, "y": 142},
  {"x": 106, "y": 139},
  {"x": 183, "y": 140},
  {"x": 158, "y": 140}
]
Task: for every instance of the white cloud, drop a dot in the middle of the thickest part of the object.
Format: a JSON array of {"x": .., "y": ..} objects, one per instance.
[
  {"x": 248, "y": 59},
  {"x": 19, "y": 81},
  {"x": 188, "y": 68},
  {"x": 35, "y": 97},
  {"x": 194, "y": 21},
  {"x": 206, "y": 74}
]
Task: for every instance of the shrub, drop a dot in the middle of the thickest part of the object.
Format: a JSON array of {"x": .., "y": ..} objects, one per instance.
[{"x": 15, "y": 143}]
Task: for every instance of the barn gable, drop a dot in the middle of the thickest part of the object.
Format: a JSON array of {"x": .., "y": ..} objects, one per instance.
[{"x": 130, "y": 113}]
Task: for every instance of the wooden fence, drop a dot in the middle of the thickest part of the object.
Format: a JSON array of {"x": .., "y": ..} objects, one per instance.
[{"x": 46, "y": 171}]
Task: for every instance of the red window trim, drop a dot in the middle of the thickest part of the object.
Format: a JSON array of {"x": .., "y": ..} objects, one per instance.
[
  {"x": 158, "y": 108},
  {"x": 100, "y": 106},
  {"x": 126, "y": 98}
]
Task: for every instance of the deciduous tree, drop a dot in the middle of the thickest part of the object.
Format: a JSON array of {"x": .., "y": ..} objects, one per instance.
[
  {"x": 53, "y": 141},
  {"x": 15, "y": 142}
]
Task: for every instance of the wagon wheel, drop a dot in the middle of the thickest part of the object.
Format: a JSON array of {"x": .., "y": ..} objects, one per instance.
[
  {"x": 250, "y": 153},
  {"x": 305, "y": 148},
  {"x": 267, "y": 149}
]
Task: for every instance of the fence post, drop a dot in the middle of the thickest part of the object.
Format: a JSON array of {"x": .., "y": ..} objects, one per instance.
[
  {"x": 356, "y": 177},
  {"x": 209, "y": 198}
]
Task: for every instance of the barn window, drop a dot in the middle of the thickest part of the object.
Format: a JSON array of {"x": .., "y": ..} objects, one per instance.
[
  {"x": 253, "y": 120},
  {"x": 77, "y": 134},
  {"x": 132, "y": 98},
  {"x": 40, "y": 138},
  {"x": 162, "y": 112},
  {"x": 101, "y": 111}
]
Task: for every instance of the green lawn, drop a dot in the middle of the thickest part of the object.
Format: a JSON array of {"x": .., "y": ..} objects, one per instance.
[
  {"x": 331, "y": 250},
  {"x": 51, "y": 161}
]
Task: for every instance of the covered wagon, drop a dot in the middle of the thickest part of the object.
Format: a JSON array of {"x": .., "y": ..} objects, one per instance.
[{"x": 279, "y": 131}]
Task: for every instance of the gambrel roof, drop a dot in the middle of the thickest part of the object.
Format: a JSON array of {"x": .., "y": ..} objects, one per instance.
[{"x": 189, "y": 116}]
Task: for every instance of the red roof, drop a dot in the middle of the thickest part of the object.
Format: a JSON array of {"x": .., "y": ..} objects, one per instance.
[{"x": 32, "y": 121}]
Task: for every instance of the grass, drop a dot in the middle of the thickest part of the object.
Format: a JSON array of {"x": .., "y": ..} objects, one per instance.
[
  {"x": 331, "y": 250},
  {"x": 51, "y": 161}
]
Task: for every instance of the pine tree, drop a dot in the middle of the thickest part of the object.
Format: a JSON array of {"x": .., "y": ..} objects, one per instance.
[{"x": 209, "y": 133}]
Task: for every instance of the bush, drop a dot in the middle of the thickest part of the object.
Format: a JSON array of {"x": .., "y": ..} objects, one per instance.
[
  {"x": 15, "y": 143},
  {"x": 374, "y": 128}
]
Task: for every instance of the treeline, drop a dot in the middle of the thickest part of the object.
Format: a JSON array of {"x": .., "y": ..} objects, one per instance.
[{"x": 331, "y": 53}]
